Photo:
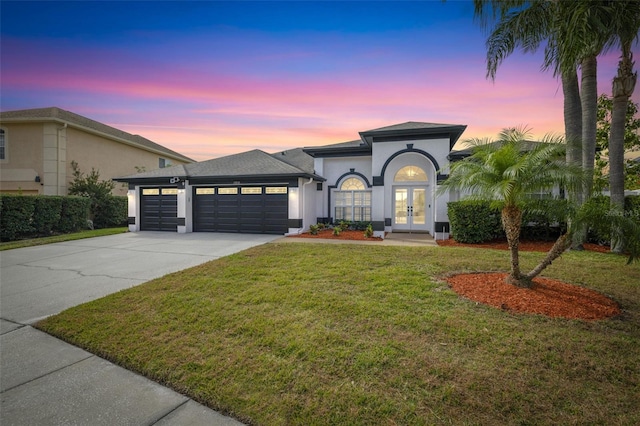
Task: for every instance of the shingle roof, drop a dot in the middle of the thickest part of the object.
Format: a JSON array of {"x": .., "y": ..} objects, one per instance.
[
  {"x": 411, "y": 125},
  {"x": 297, "y": 158},
  {"x": 250, "y": 163},
  {"x": 63, "y": 116}
]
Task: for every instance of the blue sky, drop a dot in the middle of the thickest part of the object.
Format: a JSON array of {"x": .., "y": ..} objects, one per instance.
[{"x": 210, "y": 78}]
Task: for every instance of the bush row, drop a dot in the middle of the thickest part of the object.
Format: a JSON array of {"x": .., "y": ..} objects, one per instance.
[
  {"x": 41, "y": 215},
  {"x": 475, "y": 222}
]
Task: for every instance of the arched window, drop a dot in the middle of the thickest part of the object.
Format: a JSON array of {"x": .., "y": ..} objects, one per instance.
[
  {"x": 352, "y": 201},
  {"x": 352, "y": 184},
  {"x": 410, "y": 174}
]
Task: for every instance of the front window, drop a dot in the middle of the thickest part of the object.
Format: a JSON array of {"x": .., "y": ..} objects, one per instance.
[
  {"x": 3, "y": 146},
  {"x": 352, "y": 201}
]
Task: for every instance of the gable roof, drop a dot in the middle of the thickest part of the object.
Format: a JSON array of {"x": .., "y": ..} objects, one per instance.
[
  {"x": 253, "y": 163},
  {"x": 350, "y": 148},
  {"x": 413, "y": 130},
  {"x": 75, "y": 120}
]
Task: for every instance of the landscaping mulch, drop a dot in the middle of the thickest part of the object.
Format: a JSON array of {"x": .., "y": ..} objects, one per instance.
[
  {"x": 344, "y": 235},
  {"x": 524, "y": 245},
  {"x": 548, "y": 297}
]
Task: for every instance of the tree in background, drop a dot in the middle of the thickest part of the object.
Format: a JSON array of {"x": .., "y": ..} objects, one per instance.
[
  {"x": 90, "y": 186},
  {"x": 575, "y": 33},
  {"x": 631, "y": 143}
]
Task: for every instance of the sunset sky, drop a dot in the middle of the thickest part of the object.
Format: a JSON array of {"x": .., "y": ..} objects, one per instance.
[{"x": 211, "y": 78}]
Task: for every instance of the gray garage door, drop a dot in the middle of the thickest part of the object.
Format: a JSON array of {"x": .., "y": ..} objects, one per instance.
[
  {"x": 259, "y": 209},
  {"x": 159, "y": 209}
]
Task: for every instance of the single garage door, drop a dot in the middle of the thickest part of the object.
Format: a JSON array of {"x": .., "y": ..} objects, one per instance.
[
  {"x": 255, "y": 209},
  {"x": 159, "y": 209}
]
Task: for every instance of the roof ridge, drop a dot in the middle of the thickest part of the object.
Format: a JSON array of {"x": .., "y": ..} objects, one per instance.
[{"x": 89, "y": 123}]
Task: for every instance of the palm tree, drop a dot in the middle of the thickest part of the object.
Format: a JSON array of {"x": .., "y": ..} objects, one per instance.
[
  {"x": 507, "y": 171},
  {"x": 575, "y": 36},
  {"x": 625, "y": 24}
]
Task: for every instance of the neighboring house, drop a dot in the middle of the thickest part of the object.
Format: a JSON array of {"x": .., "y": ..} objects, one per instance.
[
  {"x": 37, "y": 147},
  {"x": 388, "y": 176}
]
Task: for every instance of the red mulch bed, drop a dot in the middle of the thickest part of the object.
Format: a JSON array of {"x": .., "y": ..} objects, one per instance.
[
  {"x": 344, "y": 235},
  {"x": 548, "y": 297},
  {"x": 542, "y": 246}
]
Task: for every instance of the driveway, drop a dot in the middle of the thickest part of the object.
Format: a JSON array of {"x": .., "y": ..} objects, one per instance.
[
  {"x": 36, "y": 282},
  {"x": 44, "y": 380}
]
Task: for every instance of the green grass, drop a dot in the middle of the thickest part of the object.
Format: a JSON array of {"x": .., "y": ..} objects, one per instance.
[
  {"x": 61, "y": 238},
  {"x": 311, "y": 334}
]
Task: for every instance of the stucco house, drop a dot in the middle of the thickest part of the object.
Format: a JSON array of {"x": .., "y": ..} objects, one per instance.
[
  {"x": 37, "y": 147},
  {"x": 388, "y": 176}
]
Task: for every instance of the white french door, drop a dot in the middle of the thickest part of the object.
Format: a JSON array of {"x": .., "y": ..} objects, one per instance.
[{"x": 410, "y": 209}]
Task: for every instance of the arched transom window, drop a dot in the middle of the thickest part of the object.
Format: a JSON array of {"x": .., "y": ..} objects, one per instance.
[
  {"x": 410, "y": 174},
  {"x": 352, "y": 201},
  {"x": 352, "y": 184}
]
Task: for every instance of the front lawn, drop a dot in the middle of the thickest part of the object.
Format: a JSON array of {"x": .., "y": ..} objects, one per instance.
[{"x": 315, "y": 334}]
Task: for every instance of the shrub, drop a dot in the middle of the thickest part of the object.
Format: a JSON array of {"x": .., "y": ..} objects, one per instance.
[
  {"x": 474, "y": 221},
  {"x": 16, "y": 217},
  {"x": 313, "y": 229},
  {"x": 48, "y": 210},
  {"x": 110, "y": 211},
  {"x": 601, "y": 233},
  {"x": 544, "y": 219},
  {"x": 368, "y": 232},
  {"x": 74, "y": 213}
]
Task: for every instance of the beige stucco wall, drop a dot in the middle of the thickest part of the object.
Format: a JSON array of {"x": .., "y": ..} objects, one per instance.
[
  {"x": 47, "y": 149},
  {"x": 24, "y": 158},
  {"x": 110, "y": 158}
]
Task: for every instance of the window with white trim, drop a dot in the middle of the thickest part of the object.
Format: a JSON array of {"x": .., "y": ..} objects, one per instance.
[{"x": 352, "y": 201}]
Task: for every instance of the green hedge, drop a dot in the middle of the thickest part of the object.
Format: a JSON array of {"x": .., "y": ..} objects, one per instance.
[
  {"x": 111, "y": 212},
  {"x": 24, "y": 216},
  {"x": 602, "y": 234},
  {"x": 16, "y": 217},
  {"x": 474, "y": 221}
]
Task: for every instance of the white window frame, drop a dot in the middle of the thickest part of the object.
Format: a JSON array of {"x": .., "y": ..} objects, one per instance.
[{"x": 352, "y": 205}]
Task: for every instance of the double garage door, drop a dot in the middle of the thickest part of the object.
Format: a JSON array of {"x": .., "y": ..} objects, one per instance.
[{"x": 259, "y": 209}]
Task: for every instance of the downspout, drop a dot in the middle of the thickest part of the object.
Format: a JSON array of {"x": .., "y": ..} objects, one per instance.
[
  {"x": 58, "y": 130},
  {"x": 302, "y": 202}
]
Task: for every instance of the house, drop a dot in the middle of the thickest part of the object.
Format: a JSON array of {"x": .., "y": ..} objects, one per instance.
[
  {"x": 387, "y": 176},
  {"x": 37, "y": 147}
]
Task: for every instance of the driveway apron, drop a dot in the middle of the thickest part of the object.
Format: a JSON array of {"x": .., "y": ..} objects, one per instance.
[{"x": 46, "y": 381}]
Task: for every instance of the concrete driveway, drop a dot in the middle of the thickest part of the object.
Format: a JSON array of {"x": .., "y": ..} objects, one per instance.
[{"x": 46, "y": 381}]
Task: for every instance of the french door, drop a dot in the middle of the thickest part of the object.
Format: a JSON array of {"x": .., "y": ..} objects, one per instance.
[{"x": 410, "y": 209}]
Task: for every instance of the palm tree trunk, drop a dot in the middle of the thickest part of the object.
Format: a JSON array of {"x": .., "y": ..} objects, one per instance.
[
  {"x": 589, "y": 97},
  {"x": 559, "y": 247},
  {"x": 572, "y": 117},
  {"x": 623, "y": 85},
  {"x": 573, "y": 130},
  {"x": 512, "y": 224}
]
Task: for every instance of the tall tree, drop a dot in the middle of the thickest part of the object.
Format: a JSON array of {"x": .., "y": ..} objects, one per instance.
[
  {"x": 625, "y": 24},
  {"x": 576, "y": 33},
  {"x": 631, "y": 144}
]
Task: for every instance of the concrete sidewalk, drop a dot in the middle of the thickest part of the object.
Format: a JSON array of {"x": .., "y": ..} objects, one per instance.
[{"x": 46, "y": 381}]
